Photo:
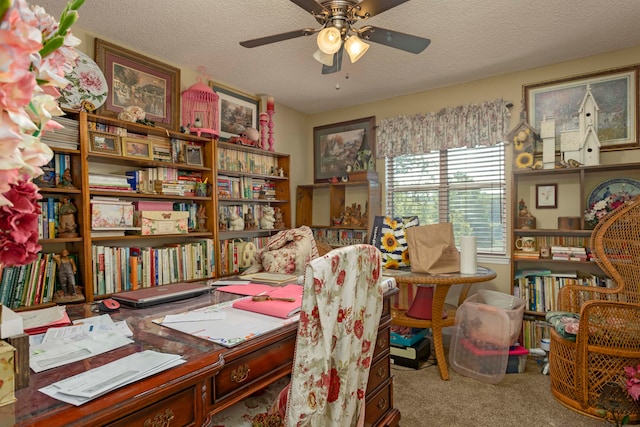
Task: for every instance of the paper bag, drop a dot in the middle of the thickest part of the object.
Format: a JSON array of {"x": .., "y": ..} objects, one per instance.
[{"x": 432, "y": 249}]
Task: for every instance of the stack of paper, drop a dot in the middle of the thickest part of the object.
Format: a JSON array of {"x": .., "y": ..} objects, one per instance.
[{"x": 88, "y": 385}]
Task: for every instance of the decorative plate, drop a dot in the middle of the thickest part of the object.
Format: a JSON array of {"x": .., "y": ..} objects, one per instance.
[
  {"x": 88, "y": 88},
  {"x": 614, "y": 186}
]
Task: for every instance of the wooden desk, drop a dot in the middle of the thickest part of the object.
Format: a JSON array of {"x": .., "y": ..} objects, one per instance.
[
  {"x": 442, "y": 283},
  {"x": 212, "y": 379}
]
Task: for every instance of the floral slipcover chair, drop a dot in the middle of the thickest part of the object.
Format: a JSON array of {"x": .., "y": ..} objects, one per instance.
[{"x": 341, "y": 310}]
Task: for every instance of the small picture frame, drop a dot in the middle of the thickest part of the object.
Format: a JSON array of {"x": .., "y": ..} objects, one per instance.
[
  {"x": 546, "y": 196},
  {"x": 105, "y": 143},
  {"x": 137, "y": 148},
  {"x": 193, "y": 155}
]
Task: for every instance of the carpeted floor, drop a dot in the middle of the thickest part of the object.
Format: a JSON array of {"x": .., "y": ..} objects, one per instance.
[{"x": 523, "y": 399}]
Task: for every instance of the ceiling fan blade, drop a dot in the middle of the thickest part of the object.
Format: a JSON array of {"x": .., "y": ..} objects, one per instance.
[
  {"x": 337, "y": 63},
  {"x": 374, "y": 7},
  {"x": 396, "y": 39},
  {"x": 277, "y": 38},
  {"x": 310, "y": 6}
]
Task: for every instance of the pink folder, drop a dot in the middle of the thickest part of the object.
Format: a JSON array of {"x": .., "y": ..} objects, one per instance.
[{"x": 282, "y": 309}]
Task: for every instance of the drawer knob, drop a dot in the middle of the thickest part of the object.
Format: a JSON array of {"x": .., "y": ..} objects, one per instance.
[
  {"x": 381, "y": 371},
  {"x": 160, "y": 419},
  {"x": 382, "y": 403},
  {"x": 240, "y": 374},
  {"x": 382, "y": 343}
]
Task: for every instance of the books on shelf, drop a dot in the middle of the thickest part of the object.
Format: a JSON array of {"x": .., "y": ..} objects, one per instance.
[{"x": 526, "y": 255}]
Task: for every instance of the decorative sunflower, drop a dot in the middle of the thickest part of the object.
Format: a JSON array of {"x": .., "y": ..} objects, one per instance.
[
  {"x": 391, "y": 264},
  {"x": 391, "y": 222},
  {"x": 405, "y": 257},
  {"x": 524, "y": 160},
  {"x": 389, "y": 242},
  {"x": 517, "y": 144}
]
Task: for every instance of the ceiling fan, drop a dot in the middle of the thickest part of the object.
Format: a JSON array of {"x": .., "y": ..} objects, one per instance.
[{"x": 337, "y": 31}]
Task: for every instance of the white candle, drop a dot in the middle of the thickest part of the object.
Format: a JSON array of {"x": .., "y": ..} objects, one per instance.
[{"x": 468, "y": 255}]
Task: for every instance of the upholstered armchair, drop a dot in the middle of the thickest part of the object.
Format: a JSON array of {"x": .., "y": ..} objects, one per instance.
[{"x": 608, "y": 334}]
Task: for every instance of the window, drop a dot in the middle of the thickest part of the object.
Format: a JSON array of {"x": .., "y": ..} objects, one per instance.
[{"x": 464, "y": 186}]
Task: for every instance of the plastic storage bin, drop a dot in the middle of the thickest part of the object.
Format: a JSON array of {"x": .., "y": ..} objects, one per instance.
[{"x": 486, "y": 326}]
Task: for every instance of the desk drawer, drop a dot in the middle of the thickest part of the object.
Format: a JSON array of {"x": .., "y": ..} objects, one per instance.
[
  {"x": 378, "y": 373},
  {"x": 382, "y": 342},
  {"x": 175, "y": 411},
  {"x": 245, "y": 370},
  {"x": 378, "y": 404}
]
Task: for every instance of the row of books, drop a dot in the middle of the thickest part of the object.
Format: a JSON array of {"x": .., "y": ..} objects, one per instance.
[
  {"x": 119, "y": 268},
  {"x": 533, "y": 331},
  {"x": 242, "y": 161},
  {"x": 540, "y": 291},
  {"x": 30, "y": 284},
  {"x": 230, "y": 256},
  {"x": 569, "y": 253},
  {"x": 340, "y": 237},
  {"x": 109, "y": 182},
  {"x": 48, "y": 219},
  {"x": 245, "y": 187},
  {"x": 164, "y": 180}
]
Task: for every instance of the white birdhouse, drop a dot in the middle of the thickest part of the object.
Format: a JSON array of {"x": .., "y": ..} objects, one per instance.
[{"x": 583, "y": 145}]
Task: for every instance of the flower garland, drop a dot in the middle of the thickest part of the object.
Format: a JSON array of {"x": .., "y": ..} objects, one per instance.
[
  {"x": 35, "y": 55},
  {"x": 600, "y": 209}
]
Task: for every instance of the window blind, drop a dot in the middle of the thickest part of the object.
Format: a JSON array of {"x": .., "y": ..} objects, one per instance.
[{"x": 464, "y": 186}]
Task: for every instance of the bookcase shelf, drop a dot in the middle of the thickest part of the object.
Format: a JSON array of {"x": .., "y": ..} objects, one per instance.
[
  {"x": 573, "y": 188},
  {"x": 318, "y": 205},
  {"x": 82, "y": 162},
  {"x": 243, "y": 176}
]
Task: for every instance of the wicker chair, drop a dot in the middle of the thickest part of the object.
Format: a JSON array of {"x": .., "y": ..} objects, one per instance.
[{"x": 608, "y": 337}]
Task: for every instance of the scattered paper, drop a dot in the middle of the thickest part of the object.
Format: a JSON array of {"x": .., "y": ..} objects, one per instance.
[
  {"x": 88, "y": 385},
  {"x": 193, "y": 316},
  {"x": 230, "y": 282}
]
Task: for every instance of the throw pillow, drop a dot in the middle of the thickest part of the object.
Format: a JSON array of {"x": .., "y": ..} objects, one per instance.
[{"x": 388, "y": 235}]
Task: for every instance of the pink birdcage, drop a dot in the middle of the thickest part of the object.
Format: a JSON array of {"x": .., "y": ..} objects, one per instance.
[{"x": 200, "y": 109}]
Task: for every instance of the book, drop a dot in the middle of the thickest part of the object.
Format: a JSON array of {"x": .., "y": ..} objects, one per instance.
[
  {"x": 276, "y": 308},
  {"x": 271, "y": 277}
]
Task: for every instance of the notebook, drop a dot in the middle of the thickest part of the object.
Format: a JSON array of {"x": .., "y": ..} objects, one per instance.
[{"x": 159, "y": 294}]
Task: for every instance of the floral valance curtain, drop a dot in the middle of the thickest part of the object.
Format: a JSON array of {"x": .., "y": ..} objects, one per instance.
[{"x": 462, "y": 126}]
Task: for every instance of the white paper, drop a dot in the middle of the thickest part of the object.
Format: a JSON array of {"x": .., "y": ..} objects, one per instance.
[
  {"x": 44, "y": 316},
  {"x": 193, "y": 316},
  {"x": 88, "y": 385},
  {"x": 468, "y": 255},
  {"x": 63, "y": 351},
  {"x": 230, "y": 282}
]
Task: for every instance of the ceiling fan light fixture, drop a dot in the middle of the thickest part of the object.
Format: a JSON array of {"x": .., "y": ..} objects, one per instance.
[
  {"x": 355, "y": 47},
  {"x": 329, "y": 40},
  {"x": 323, "y": 58}
]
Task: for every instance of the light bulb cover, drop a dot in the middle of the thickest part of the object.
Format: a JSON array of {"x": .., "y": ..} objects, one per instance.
[
  {"x": 355, "y": 47},
  {"x": 329, "y": 40},
  {"x": 323, "y": 58}
]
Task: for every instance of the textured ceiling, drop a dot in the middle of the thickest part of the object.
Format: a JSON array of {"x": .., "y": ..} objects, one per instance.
[{"x": 469, "y": 40}]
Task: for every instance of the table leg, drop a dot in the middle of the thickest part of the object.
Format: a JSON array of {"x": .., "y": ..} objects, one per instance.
[{"x": 436, "y": 329}]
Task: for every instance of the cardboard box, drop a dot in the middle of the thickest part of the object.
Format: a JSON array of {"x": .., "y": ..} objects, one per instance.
[
  {"x": 7, "y": 373},
  {"x": 154, "y": 223},
  {"x": 107, "y": 214}
]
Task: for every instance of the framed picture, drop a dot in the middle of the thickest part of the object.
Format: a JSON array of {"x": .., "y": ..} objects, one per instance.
[
  {"x": 137, "y": 148},
  {"x": 546, "y": 196},
  {"x": 237, "y": 111},
  {"x": 193, "y": 155},
  {"x": 136, "y": 80},
  {"x": 342, "y": 147},
  {"x": 102, "y": 142},
  {"x": 615, "y": 91}
]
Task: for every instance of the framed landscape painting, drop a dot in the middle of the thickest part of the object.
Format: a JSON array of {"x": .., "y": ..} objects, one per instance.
[
  {"x": 339, "y": 148},
  {"x": 615, "y": 92},
  {"x": 238, "y": 111},
  {"x": 136, "y": 80}
]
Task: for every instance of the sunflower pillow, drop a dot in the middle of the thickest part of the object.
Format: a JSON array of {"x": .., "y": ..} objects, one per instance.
[{"x": 388, "y": 235}]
